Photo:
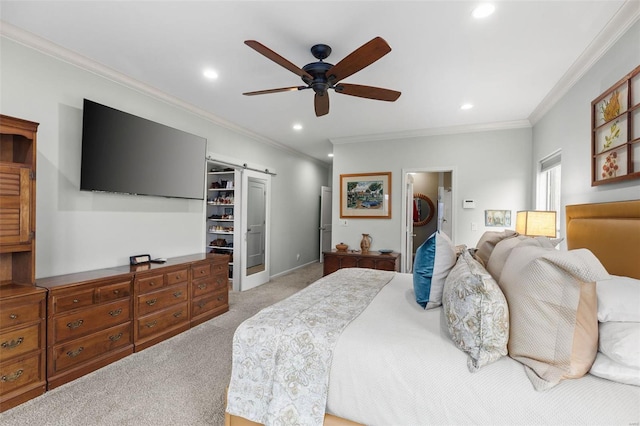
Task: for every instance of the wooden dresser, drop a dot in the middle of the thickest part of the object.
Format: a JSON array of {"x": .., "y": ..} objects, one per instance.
[
  {"x": 97, "y": 317},
  {"x": 88, "y": 324},
  {"x": 22, "y": 305},
  {"x": 334, "y": 260}
]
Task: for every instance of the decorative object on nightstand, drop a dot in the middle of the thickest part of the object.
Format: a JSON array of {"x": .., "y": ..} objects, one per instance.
[
  {"x": 342, "y": 247},
  {"x": 536, "y": 223},
  {"x": 365, "y": 244}
]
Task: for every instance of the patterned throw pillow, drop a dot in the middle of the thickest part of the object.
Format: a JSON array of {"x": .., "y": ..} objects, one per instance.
[
  {"x": 433, "y": 261},
  {"x": 476, "y": 312}
]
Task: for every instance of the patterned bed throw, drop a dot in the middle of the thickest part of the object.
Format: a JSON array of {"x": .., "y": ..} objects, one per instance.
[{"x": 282, "y": 355}]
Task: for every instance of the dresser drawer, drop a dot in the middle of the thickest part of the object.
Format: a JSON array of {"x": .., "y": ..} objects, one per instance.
[
  {"x": 77, "y": 324},
  {"x": 68, "y": 302},
  {"x": 175, "y": 277},
  {"x": 159, "y": 322},
  {"x": 201, "y": 287},
  {"x": 19, "y": 373},
  {"x": 201, "y": 271},
  {"x": 150, "y": 283},
  {"x": 21, "y": 341},
  {"x": 209, "y": 302},
  {"x": 12, "y": 314},
  {"x": 158, "y": 300},
  {"x": 114, "y": 291},
  {"x": 87, "y": 348}
]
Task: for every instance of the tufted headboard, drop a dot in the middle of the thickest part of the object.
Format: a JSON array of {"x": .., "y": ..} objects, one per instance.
[{"x": 611, "y": 231}]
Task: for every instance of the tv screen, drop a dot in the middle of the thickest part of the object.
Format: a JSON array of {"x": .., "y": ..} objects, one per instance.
[{"x": 128, "y": 154}]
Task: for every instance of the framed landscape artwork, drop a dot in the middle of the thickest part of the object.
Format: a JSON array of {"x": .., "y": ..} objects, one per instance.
[
  {"x": 365, "y": 195},
  {"x": 497, "y": 218},
  {"x": 615, "y": 132}
]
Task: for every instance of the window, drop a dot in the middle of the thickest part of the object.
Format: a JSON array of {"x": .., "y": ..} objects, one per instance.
[{"x": 549, "y": 185}]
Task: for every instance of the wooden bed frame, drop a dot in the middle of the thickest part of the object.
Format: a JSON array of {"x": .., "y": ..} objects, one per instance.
[{"x": 610, "y": 230}]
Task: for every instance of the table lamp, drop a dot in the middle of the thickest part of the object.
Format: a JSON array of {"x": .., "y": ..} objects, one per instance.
[{"x": 536, "y": 223}]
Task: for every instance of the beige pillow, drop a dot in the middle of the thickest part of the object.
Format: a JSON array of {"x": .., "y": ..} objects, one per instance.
[
  {"x": 488, "y": 242},
  {"x": 503, "y": 249},
  {"x": 553, "y": 311}
]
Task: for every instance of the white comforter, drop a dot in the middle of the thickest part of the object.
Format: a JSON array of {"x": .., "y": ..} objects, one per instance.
[{"x": 395, "y": 365}]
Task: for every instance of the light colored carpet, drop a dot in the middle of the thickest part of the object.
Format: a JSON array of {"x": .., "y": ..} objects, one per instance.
[{"x": 180, "y": 381}]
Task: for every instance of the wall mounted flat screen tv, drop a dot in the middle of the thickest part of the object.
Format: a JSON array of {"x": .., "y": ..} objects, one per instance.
[{"x": 127, "y": 154}]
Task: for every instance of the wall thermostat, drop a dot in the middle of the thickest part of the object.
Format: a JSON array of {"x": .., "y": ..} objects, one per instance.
[{"x": 468, "y": 204}]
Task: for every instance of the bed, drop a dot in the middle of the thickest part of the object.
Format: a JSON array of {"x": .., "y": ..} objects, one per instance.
[{"x": 396, "y": 363}]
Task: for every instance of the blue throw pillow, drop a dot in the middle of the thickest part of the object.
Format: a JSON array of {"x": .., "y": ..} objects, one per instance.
[{"x": 433, "y": 261}]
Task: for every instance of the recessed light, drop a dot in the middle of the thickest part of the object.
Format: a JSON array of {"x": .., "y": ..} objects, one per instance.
[
  {"x": 210, "y": 73},
  {"x": 483, "y": 10},
  {"x": 330, "y": 154},
  {"x": 466, "y": 106},
  {"x": 297, "y": 126}
]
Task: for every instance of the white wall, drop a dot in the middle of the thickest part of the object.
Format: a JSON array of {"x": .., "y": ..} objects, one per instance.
[
  {"x": 78, "y": 230},
  {"x": 491, "y": 167},
  {"x": 567, "y": 126}
]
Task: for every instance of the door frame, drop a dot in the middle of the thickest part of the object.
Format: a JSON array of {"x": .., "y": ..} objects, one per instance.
[
  {"x": 405, "y": 201},
  {"x": 324, "y": 198}
]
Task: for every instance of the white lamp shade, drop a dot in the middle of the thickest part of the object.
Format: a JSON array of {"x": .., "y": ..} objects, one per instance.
[{"x": 536, "y": 223}]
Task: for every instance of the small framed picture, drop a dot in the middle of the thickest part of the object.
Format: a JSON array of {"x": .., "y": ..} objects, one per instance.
[{"x": 500, "y": 218}]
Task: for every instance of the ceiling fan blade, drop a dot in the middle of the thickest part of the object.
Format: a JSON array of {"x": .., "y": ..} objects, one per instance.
[
  {"x": 360, "y": 58},
  {"x": 282, "y": 89},
  {"x": 368, "y": 92},
  {"x": 264, "y": 50},
  {"x": 321, "y": 103}
]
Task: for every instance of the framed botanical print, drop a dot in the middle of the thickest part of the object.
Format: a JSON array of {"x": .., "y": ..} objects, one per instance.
[{"x": 615, "y": 132}]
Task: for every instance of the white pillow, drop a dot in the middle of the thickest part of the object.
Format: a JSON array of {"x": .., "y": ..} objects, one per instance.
[
  {"x": 618, "y": 299},
  {"x": 620, "y": 341},
  {"x": 606, "y": 368}
]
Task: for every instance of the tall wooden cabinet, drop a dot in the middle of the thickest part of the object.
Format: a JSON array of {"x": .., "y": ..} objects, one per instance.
[{"x": 22, "y": 305}]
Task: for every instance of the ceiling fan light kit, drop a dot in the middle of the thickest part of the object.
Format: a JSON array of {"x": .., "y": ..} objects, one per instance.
[{"x": 322, "y": 76}]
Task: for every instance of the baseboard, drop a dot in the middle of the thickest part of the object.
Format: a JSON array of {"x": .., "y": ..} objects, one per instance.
[{"x": 288, "y": 271}]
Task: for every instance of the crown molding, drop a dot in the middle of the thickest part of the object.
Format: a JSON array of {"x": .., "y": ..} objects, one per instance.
[
  {"x": 58, "y": 52},
  {"x": 436, "y": 131},
  {"x": 626, "y": 16}
]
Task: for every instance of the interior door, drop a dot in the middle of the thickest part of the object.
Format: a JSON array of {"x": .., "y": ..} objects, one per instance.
[
  {"x": 256, "y": 189},
  {"x": 325, "y": 220},
  {"x": 409, "y": 209}
]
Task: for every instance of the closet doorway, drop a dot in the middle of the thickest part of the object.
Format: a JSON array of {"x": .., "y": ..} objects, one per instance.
[{"x": 427, "y": 207}]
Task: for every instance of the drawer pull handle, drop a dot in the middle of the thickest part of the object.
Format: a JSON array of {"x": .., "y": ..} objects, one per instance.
[
  {"x": 178, "y": 276},
  {"x": 202, "y": 286},
  {"x": 116, "y": 312},
  {"x": 177, "y": 314},
  {"x": 177, "y": 294},
  {"x": 220, "y": 298},
  {"x": 152, "y": 324},
  {"x": 11, "y": 377},
  {"x": 201, "y": 304},
  {"x": 12, "y": 344},
  {"x": 152, "y": 302},
  {"x": 116, "y": 337},
  {"x": 75, "y": 324},
  {"x": 116, "y": 291},
  {"x": 13, "y": 316},
  {"x": 76, "y": 301},
  {"x": 219, "y": 281},
  {"x": 73, "y": 354},
  {"x": 201, "y": 271},
  {"x": 152, "y": 283}
]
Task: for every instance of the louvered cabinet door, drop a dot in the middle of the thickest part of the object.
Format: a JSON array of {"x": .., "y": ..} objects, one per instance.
[{"x": 14, "y": 204}]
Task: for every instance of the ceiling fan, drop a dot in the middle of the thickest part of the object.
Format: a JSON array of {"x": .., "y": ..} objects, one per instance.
[{"x": 321, "y": 76}]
